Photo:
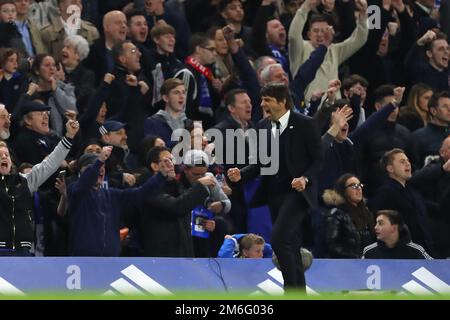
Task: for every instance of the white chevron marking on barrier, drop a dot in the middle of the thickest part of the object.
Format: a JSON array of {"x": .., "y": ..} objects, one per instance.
[
  {"x": 416, "y": 288},
  {"x": 431, "y": 280},
  {"x": 276, "y": 274},
  {"x": 8, "y": 289},
  {"x": 144, "y": 281},
  {"x": 124, "y": 287},
  {"x": 271, "y": 287}
]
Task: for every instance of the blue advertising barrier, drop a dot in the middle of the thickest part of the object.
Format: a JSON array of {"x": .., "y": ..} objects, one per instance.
[{"x": 159, "y": 276}]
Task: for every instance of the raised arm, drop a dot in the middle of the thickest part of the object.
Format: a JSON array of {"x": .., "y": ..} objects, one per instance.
[
  {"x": 307, "y": 72},
  {"x": 359, "y": 36},
  {"x": 296, "y": 41},
  {"x": 259, "y": 42},
  {"x": 96, "y": 102},
  {"x": 42, "y": 171}
]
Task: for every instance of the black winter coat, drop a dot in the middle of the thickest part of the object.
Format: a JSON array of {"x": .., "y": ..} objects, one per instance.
[{"x": 16, "y": 205}]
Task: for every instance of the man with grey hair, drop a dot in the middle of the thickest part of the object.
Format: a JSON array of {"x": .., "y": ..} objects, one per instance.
[
  {"x": 274, "y": 73},
  {"x": 5, "y": 122},
  {"x": 69, "y": 23},
  {"x": 260, "y": 64},
  {"x": 100, "y": 59}
]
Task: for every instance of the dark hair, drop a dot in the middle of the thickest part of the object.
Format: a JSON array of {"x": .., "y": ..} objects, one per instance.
[
  {"x": 3, "y": 2},
  {"x": 134, "y": 13},
  {"x": 230, "y": 96},
  {"x": 211, "y": 32},
  {"x": 280, "y": 92},
  {"x": 118, "y": 50},
  {"x": 224, "y": 3},
  {"x": 5, "y": 53},
  {"x": 87, "y": 143},
  {"x": 388, "y": 157},
  {"x": 433, "y": 102},
  {"x": 318, "y": 17},
  {"x": 341, "y": 183},
  {"x": 353, "y": 79},
  {"x": 38, "y": 61},
  {"x": 383, "y": 91},
  {"x": 144, "y": 147},
  {"x": 153, "y": 155},
  {"x": 439, "y": 36},
  {"x": 199, "y": 39},
  {"x": 169, "y": 85},
  {"x": 394, "y": 216}
]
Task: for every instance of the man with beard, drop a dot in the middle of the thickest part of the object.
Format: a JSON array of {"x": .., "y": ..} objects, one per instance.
[{"x": 114, "y": 134}]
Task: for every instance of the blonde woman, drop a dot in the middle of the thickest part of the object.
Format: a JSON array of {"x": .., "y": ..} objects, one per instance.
[{"x": 415, "y": 114}]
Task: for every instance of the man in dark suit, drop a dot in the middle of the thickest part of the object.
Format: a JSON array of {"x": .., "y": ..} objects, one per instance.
[{"x": 292, "y": 189}]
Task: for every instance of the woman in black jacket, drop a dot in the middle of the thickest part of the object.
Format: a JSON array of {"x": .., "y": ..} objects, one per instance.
[{"x": 348, "y": 224}]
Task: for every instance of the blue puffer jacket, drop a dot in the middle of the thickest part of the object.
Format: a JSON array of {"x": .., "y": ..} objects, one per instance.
[{"x": 230, "y": 247}]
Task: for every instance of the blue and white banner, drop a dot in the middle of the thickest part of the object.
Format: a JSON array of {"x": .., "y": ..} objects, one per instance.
[{"x": 166, "y": 276}]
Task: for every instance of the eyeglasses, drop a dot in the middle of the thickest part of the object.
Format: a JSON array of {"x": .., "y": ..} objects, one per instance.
[
  {"x": 42, "y": 113},
  {"x": 133, "y": 51},
  {"x": 210, "y": 49},
  {"x": 355, "y": 186},
  {"x": 5, "y": 116}
]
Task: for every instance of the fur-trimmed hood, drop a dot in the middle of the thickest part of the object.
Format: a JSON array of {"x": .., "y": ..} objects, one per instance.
[{"x": 332, "y": 198}]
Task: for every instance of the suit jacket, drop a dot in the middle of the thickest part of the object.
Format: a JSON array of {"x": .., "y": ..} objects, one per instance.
[
  {"x": 96, "y": 60},
  {"x": 53, "y": 36},
  {"x": 36, "y": 38},
  {"x": 304, "y": 157}
]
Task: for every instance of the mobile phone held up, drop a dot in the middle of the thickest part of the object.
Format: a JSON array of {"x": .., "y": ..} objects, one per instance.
[{"x": 62, "y": 174}]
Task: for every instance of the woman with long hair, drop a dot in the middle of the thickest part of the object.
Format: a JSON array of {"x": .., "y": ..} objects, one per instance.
[
  {"x": 47, "y": 85},
  {"x": 349, "y": 223},
  {"x": 415, "y": 114}
]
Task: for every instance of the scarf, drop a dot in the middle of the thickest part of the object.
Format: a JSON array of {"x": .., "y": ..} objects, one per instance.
[
  {"x": 206, "y": 75},
  {"x": 158, "y": 80},
  {"x": 280, "y": 57}
]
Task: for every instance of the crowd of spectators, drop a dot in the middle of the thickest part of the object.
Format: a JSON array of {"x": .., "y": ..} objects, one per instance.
[{"x": 98, "y": 89}]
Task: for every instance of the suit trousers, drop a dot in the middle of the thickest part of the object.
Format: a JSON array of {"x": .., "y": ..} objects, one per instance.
[{"x": 288, "y": 211}]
